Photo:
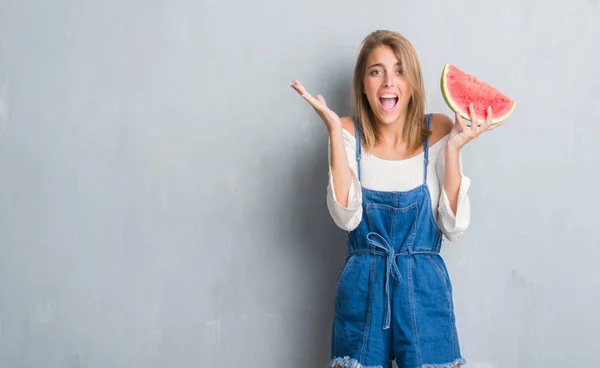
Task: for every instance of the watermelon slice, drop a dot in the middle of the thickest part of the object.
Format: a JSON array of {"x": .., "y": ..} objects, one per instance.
[{"x": 461, "y": 89}]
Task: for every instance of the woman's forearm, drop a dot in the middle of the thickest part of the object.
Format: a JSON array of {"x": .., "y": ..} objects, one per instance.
[
  {"x": 452, "y": 176},
  {"x": 340, "y": 168}
]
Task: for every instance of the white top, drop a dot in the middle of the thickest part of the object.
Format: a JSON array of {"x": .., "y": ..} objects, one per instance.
[{"x": 401, "y": 175}]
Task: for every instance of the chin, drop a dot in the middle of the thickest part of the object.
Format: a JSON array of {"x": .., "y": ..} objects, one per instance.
[{"x": 388, "y": 118}]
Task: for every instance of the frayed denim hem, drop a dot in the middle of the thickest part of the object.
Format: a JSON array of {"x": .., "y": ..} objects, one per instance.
[
  {"x": 459, "y": 361},
  {"x": 346, "y": 362}
]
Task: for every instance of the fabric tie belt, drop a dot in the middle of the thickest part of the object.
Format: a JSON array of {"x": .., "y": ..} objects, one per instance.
[{"x": 384, "y": 249}]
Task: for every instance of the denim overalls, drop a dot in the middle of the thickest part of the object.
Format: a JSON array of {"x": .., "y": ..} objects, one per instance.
[{"x": 394, "y": 296}]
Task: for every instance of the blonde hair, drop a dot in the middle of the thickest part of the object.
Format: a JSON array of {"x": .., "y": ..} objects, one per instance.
[{"x": 414, "y": 129}]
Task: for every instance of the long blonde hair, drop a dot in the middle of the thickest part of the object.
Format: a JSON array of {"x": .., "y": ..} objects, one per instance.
[{"x": 414, "y": 129}]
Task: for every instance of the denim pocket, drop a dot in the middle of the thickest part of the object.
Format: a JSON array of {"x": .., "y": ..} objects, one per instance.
[
  {"x": 352, "y": 294},
  {"x": 443, "y": 277},
  {"x": 344, "y": 271}
]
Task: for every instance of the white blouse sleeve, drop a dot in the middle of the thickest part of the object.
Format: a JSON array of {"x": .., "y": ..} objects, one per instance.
[
  {"x": 453, "y": 226},
  {"x": 347, "y": 218}
]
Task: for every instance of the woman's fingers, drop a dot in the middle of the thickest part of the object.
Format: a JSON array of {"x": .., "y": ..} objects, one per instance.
[
  {"x": 489, "y": 125},
  {"x": 461, "y": 122},
  {"x": 300, "y": 89},
  {"x": 494, "y": 126},
  {"x": 474, "y": 122},
  {"x": 315, "y": 102},
  {"x": 321, "y": 100},
  {"x": 488, "y": 119}
]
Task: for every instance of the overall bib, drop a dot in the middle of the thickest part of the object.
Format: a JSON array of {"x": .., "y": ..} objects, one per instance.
[{"x": 394, "y": 296}]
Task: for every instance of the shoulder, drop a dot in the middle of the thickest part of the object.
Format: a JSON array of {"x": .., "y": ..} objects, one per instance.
[
  {"x": 441, "y": 125},
  {"x": 348, "y": 125}
]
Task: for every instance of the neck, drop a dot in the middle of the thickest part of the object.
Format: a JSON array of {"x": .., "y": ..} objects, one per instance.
[{"x": 392, "y": 135}]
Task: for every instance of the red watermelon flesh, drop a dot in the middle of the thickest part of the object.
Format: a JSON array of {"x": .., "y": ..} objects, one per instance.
[{"x": 461, "y": 89}]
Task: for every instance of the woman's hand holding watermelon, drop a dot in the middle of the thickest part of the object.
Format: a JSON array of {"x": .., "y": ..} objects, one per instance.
[
  {"x": 461, "y": 133},
  {"x": 467, "y": 95}
]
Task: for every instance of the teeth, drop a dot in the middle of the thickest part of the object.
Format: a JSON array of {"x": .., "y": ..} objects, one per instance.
[{"x": 389, "y": 95}]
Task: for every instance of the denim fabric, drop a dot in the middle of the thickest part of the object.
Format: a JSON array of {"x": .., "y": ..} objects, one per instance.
[{"x": 394, "y": 296}]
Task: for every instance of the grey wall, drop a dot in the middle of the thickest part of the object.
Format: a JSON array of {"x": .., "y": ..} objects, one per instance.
[{"x": 162, "y": 189}]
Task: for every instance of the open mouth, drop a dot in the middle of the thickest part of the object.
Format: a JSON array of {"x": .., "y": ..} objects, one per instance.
[{"x": 388, "y": 102}]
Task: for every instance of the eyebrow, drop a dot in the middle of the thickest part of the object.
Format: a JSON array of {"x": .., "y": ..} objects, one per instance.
[{"x": 381, "y": 65}]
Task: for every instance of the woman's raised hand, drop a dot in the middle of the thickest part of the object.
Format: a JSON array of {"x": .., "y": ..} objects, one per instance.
[{"x": 331, "y": 119}]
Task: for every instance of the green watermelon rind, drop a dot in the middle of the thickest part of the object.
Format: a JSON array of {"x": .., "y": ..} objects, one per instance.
[{"x": 465, "y": 114}]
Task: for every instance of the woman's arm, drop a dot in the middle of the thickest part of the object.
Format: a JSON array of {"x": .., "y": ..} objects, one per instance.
[
  {"x": 454, "y": 207},
  {"x": 344, "y": 197},
  {"x": 452, "y": 176},
  {"x": 339, "y": 163}
]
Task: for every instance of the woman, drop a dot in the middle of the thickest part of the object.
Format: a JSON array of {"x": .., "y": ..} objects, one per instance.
[{"x": 396, "y": 186}]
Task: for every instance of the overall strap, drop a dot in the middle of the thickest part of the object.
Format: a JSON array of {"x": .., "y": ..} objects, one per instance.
[
  {"x": 426, "y": 148},
  {"x": 358, "y": 145}
]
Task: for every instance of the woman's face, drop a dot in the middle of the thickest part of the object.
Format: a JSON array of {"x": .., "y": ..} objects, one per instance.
[{"x": 385, "y": 85}]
